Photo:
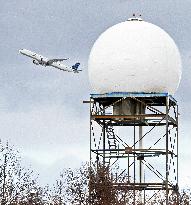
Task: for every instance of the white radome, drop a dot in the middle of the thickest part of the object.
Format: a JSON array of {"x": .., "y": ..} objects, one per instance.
[{"x": 134, "y": 56}]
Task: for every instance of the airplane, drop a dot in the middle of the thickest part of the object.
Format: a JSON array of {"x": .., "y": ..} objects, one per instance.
[{"x": 56, "y": 63}]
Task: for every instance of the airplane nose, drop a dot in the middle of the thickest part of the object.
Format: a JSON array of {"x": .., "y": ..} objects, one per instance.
[{"x": 20, "y": 51}]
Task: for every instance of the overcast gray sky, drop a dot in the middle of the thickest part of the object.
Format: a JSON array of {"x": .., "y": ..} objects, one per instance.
[{"x": 41, "y": 110}]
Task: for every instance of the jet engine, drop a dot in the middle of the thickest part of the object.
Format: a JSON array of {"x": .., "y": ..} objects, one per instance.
[{"x": 35, "y": 62}]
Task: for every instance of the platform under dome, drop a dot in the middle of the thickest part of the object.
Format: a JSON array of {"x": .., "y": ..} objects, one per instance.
[{"x": 134, "y": 56}]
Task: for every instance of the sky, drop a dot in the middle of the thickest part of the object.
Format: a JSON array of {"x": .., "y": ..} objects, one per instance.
[{"x": 41, "y": 109}]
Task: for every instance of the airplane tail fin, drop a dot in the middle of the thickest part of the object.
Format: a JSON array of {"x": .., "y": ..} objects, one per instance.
[{"x": 75, "y": 67}]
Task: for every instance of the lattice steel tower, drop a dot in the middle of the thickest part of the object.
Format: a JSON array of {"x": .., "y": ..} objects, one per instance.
[{"x": 139, "y": 132}]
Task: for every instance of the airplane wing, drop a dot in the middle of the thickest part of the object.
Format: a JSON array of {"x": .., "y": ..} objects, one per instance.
[{"x": 56, "y": 60}]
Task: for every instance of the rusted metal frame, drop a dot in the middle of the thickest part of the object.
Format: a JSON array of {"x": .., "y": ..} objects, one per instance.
[
  {"x": 122, "y": 156},
  {"x": 177, "y": 151},
  {"x": 167, "y": 133},
  {"x": 169, "y": 123},
  {"x": 130, "y": 124},
  {"x": 134, "y": 174},
  {"x": 145, "y": 164},
  {"x": 97, "y": 160},
  {"x": 154, "y": 184},
  {"x": 104, "y": 149},
  {"x": 125, "y": 170},
  {"x": 88, "y": 101},
  {"x": 138, "y": 186},
  {"x": 90, "y": 106},
  {"x": 128, "y": 166},
  {"x": 122, "y": 98},
  {"x": 169, "y": 183},
  {"x": 173, "y": 116},
  {"x": 97, "y": 153},
  {"x": 117, "y": 137},
  {"x": 91, "y": 150},
  {"x": 175, "y": 110},
  {"x": 119, "y": 156},
  {"x": 175, "y": 167},
  {"x": 148, "y": 150},
  {"x": 175, "y": 135},
  {"x": 172, "y": 153},
  {"x": 136, "y": 151},
  {"x": 100, "y": 110},
  {"x": 172, "y": 120},
  {"x": 158, "y": 173},
  {"x": 148, "y": 106},
  {"x": 127, "y": 116},
  {"x": 118, "y": 159},
  {"x": 104, "y": 140},
  {"x": 127, "y": 123},
  {"x": 174, "y": 156},
  {"x": 149, "y": 168},
  {"x": 140, "y": 151}
]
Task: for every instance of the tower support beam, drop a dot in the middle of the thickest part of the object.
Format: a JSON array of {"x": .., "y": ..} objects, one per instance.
[{"x": 140, "y": 134}]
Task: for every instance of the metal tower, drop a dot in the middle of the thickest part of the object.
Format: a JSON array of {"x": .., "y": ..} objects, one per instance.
[{"x": 139, "y": 132}]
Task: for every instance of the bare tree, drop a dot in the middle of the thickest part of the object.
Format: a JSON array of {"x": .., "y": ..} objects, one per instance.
[
  {"x": 95, "y": 185},
  {"x": 71, "y": 187},
  {"x": 101, "y": 189},
  {"x": 16, "y": 182},
  {"x": 98, "y": 185}
]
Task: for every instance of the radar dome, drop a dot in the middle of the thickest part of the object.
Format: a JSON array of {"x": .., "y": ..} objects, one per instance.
[{"x": 134, "y": 56}]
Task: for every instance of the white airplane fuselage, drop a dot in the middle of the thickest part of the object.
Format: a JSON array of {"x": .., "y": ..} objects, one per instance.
[{"x": 41, "y": 60}]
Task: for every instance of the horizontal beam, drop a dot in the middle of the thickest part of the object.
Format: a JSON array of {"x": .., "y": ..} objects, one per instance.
[
  {"x": 88, "y": 101},
  {"x": 129, "y": 94},
  {"x": 137, "y": 120},
  {"x": 122, "y": 153},
  {"x": 130, "y": 123},
  {"x": 134, "y": 150},
  {"x": 142, "y": 116},
  {"x": 141, "y": 186}
]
